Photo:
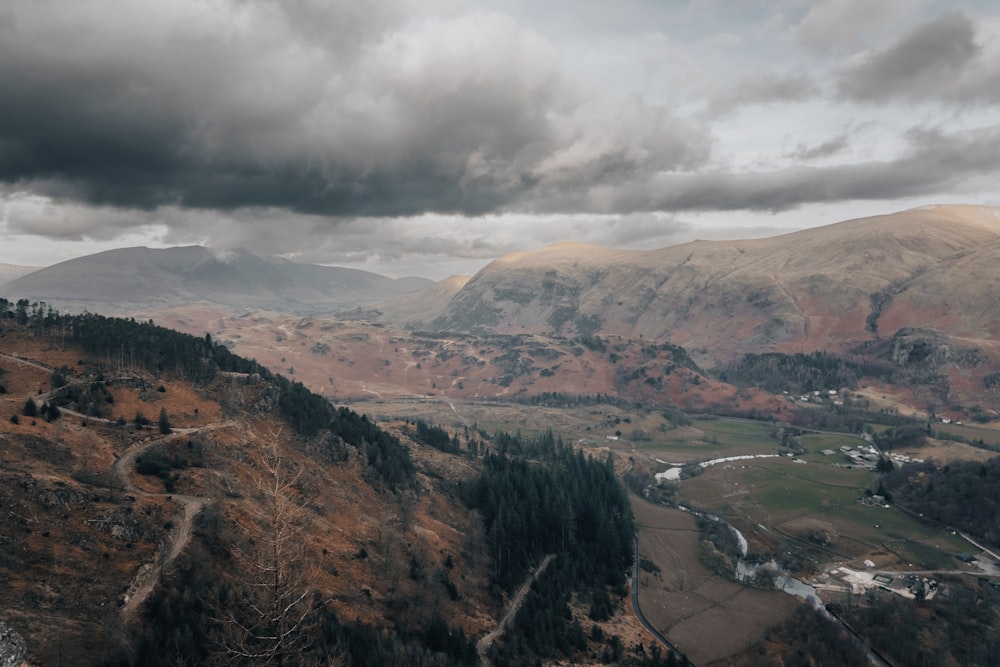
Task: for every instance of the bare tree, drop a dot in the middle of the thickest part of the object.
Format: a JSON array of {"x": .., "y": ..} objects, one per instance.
[{"x": 265, "y": 619}]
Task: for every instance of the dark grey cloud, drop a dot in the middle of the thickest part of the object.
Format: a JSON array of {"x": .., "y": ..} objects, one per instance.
[
  {"x": 935, "y": 162},
  {"x": 763, "y": 88},
  {"x": 939, "y": 60},
  {"x": 314, "y": 107},
  {"x": 828, "y": 148},
  {"x": 385, "y": 134}
]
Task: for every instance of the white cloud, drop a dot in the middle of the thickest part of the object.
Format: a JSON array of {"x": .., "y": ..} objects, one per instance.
[{"x": 849, "y": 24}]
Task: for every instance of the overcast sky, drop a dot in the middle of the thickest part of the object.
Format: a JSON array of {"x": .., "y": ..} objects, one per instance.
[{"x": 427, "y": 137}]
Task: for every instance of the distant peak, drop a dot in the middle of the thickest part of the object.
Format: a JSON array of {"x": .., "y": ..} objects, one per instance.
[{"x": 562, "y": 249}]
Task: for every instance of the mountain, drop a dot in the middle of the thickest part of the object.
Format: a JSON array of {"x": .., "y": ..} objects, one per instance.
[
  {"x": 10, "y": 272},
  {"x": 834, "y": 287},
  {"x": 417, "y": 308},
  {"x": 126, "y": 279}
]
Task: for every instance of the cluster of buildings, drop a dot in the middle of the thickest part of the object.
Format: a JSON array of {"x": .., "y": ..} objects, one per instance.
[
  {"x": 912, "y": 586},
  {"x": 863, "y": 456},
  {"x": 817, "y": 396}
]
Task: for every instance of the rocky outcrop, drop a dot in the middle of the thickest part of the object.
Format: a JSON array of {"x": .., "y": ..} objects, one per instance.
[
  {"x": 13, "y": 648},
  {"x": 919, "y": 348}
]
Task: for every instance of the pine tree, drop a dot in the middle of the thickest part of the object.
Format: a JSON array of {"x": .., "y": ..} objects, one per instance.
[{"x": 164, "y": 422}]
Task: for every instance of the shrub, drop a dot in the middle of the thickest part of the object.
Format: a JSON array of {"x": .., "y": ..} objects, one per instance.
[{"x": 30, "y": 408}]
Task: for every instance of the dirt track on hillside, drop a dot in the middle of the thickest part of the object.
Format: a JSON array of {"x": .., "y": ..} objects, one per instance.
[
  {"x": 148, "y": 576},
  {"x": 485, "y": 642}
]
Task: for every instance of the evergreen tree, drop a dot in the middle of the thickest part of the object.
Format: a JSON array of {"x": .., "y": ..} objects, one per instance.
[
  {"x": 30, "y": 408},
  {"x": 164, "y": 422}
]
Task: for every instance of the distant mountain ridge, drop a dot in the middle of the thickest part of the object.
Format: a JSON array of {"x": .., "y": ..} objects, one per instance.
[
  {"x": 10, "y": 272},
  {"x": 833, "y": 287},
  {"x": 128, "y": 278}
]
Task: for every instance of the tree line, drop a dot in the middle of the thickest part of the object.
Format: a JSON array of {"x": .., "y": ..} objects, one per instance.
[
  {"x": 961, "y": 494},
  {"x": 798, "y": 373},
  {"x": 565, "y": 503},
  {"x": 961, "y": 630},
  {"x": 120, "y": 344}
]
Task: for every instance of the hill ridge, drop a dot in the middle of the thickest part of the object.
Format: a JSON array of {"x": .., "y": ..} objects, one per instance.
[
  {"x": 807, "y": 289},
  {"x": 127, "y": 279}
]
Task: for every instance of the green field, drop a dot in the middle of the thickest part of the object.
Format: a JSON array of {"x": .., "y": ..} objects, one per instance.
[
  {"x": 989, "y": 436},
  {"x": 933, "y": 553},
  {"x": 745, "y": 436},
  {"x": 796, "y": 499},
  {"x": 792, "y": 494},
  {"x": 707, "y": 439},
  {"x": 775, "y": 489}
]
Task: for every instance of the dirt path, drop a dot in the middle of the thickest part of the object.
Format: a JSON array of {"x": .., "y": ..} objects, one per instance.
[
  {"x": 455, "y": 410},
  {"x": 145, "y": 581},
  {"x": 483, "y": 645},
  {"x": 27, "y": 362}
]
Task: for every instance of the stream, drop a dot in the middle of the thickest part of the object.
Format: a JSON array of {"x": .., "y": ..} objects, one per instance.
[
  {"x": 783, "y": 581},
  {"x": 745, "y": 569}
]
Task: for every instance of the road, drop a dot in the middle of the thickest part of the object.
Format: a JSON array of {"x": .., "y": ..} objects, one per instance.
[
  {"x": 484, "y": 643},
  {"x": 638, "y": 612}
]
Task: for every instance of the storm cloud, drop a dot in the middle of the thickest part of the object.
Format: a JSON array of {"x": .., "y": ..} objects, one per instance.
[
  {"x": 934, "y": 161},
  {"x": 940, "y": 60},
  {"x": 315, "y": 108},
  {"x": 388, "y": 133}
]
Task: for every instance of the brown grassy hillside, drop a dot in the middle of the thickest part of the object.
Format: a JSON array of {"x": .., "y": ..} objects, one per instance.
[
  {"x": 348, "y": 360},
  {"x": 122, "y": 542},
  {"x": 807, "y": 290},
  {"x": 81, "y": 536}
]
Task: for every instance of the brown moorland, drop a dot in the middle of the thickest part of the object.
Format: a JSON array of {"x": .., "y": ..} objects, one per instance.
[{"x": 88, "y": 540}]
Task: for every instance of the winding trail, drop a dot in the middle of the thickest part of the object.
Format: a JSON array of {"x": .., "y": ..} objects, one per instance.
[
  {"x": 486, "y": 641},
  {"x": 145, "y": 581},
  {"x": 27, "y": 362}
]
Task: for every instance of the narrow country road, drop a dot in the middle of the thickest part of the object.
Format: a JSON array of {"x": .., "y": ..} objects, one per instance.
[
  {"x": 638, "y": 612},
  {"x": 485, "y": 642}
]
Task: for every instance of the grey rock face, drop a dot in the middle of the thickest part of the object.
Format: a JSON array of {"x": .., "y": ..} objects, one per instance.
[{"x": 12, "y": 647}]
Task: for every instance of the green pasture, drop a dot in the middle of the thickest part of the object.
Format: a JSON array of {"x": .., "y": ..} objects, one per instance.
[
  {"x": 786, "y": 490},
  {"x": 774, "y": 490},
  {"x": 795, "y": 496},
  {"x": 708, "y": 439},
  {"x": 748, "y": 437},
  {"x": 777, "y": 491},
  {"x": 875, "y": 524},
  {"x": 920, "y": 542},
  {"x": 930, "y": 554},
  {"x": 972, "y": 434}
]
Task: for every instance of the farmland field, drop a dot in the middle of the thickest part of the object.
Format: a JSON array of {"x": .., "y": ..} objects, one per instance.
[{"x": 690, "y": 603}]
